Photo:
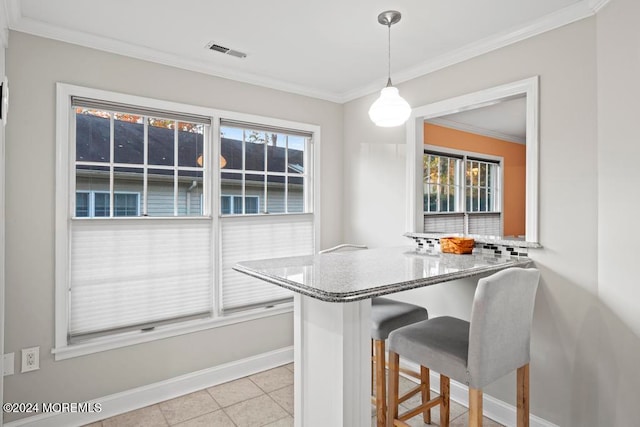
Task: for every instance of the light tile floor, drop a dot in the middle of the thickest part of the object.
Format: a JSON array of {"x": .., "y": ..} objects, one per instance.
[{"x": 263, "y": 399}]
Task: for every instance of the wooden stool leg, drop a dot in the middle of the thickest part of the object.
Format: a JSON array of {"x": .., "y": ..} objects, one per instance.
[
  {"x": 444, "y": 406},
  {"x": 475, "y": 407},
  {"x": 372, "y": 364},
  {"x": 394, "y": 383},
  {"x": 523, "y": 396},
  {"x": 381, "y": 398},
  {"x": 426, "y": 392}
]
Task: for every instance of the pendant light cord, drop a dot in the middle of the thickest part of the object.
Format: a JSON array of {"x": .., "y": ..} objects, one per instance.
[{"x": 389, "y": 56}]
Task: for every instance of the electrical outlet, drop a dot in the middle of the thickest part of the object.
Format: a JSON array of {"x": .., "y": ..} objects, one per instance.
[
  {"x": 30, "y": 359},
  {"x": 8, "y": 364}
]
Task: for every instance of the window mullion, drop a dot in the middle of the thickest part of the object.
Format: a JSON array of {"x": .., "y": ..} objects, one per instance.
[
  {"x": 145, "y": 166},
  {"x": 244, "y": 168},
  {"x": 175, "y": 168},
  {"x": 439, "y": 186},
  {"x": 111, "y": 161},
  {"x": 286, "y": 173},
  {"x": 266, "y": 175}
]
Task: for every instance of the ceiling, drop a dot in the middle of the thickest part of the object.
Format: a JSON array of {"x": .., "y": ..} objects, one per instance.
[
  {"x": 330, "y": 49},
  {"x": 506, "y": 120}
]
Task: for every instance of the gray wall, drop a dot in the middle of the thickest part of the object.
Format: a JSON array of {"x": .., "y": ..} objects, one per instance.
[
  {"x": 617, "y": 316},
  {"x": 34, "y": 66},
  {"x": 564, "y": 343}
]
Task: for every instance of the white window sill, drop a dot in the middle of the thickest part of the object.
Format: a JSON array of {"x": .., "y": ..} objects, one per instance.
[{"x": 138, "y": 337}]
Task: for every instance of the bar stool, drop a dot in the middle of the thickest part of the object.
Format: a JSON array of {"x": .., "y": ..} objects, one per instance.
[
  {"x": 386, "y": 316},
  {"x": 475, "y": 353}
]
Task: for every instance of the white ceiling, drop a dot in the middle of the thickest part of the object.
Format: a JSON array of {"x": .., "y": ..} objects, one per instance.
[
  {"x": 330, "y": 49},
  {"x": 506, "y": 120}
]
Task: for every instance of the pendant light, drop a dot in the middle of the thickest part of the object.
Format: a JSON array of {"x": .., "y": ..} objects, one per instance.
[{"x": 390, "y": 109}]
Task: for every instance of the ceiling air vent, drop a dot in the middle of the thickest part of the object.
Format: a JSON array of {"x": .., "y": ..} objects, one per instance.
[{"x": 226, "y": 50}]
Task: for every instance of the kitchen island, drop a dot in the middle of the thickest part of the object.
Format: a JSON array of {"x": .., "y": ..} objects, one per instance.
[{"x": 332, "y": 309}]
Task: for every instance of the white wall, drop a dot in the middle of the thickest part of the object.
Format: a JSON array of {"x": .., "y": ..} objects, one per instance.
[
  {"x": 34, "y": 66},
  {"x": 563, "y": 344},
  {"x": 2, "y": 213},
  {"x": 618, "y": 47}
]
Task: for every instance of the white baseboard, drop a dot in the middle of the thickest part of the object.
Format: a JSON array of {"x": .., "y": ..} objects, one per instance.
[
  {"x": 493, "y": 408},
  {"x": 140, "y": 397}
]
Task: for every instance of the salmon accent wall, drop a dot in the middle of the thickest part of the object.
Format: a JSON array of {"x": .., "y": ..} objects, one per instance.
[{"x": 514, "y": 167}]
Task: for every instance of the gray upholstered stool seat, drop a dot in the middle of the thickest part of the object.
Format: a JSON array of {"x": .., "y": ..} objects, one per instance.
[
  {"x": 476, "y": 353},
  {"x": 388, "y": 315},
  {"x": 441, "y": 343}
]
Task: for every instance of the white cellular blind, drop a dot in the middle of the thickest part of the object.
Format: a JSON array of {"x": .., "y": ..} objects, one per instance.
[
  {"x": 485, "y": 223},
  {"x": 444, "y": 223},
  {"x": 133, "y": 274},
  {"x": 258, "y": 237}
]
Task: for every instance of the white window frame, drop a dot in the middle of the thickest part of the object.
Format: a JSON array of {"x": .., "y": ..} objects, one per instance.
[
  {"x": 415, "y": 142},
  {"x": 65, "y": 201}
]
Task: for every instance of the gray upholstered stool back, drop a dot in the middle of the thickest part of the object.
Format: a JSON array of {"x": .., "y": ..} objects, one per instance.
[{"x": 500, "y": 329}]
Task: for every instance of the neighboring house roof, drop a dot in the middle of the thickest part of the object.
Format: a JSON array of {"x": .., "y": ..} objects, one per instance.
[{"x": 92, "y": 144}]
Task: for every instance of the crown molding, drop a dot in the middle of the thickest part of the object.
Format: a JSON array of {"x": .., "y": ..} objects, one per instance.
[
  {"x": 549, "y": 22},
  {"x": 567, "y": 15},
  {"x": 464, "y": 127},
  {"x": 38, "y": 28}
]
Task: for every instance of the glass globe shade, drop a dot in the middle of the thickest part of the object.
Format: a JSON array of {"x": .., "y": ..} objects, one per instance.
[{"x": 390, "y": 109}]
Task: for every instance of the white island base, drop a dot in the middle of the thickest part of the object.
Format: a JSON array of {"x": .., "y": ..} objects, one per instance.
[{"x": 332, "y": 352}]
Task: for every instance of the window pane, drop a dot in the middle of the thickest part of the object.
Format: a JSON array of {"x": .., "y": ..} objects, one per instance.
[
  {"x": 125, "y": 204},
  {"x": 295, "y": 153},
  {"x": 295, "y": 195},
  {"x": 127, "y": 181},
  {"x": 444, "y": 171},
  {"x": 161, "y": 142},
  {"x": 254, "y": 150},
  {"x": 160, "y": 192},
  {"x": 190, "y": 193},
  {"x": 483, "y": 200},
  {"x": 275, "y": 194},
  {"x": 231, "y": 148},
  {"x": 482, "y": 178},
  {"x": 82, "y": 205},
  {"x": 128, "y": 139},
  {"x": 254, "y": 186},
  {"x": 92, "y": 135},
  {"x": 252, "y": 204},
  {"x": 276, "y": 152},
  {"x": 101, "y": 204},
  {"x": 190, "y": 144},
  {"x": 236, "y": 205},
  {"x": 225, "y": 205},
  {"x": 88, "y": 180}
]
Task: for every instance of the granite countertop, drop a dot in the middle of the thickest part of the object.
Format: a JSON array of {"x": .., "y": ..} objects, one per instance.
[{"x": 357, "y": 275}]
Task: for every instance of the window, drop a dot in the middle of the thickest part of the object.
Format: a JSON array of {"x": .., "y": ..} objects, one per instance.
[
  {"x": 135, "y": 187},
  {"x": 442, "y": 183},
  {"x": 461, "y": 193},
  {"x": 268, "y": 164},
  {"x": 268, "y": 168},
  {"x": 119, "y": 152},
  {"x": 96, "y": 204}
]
